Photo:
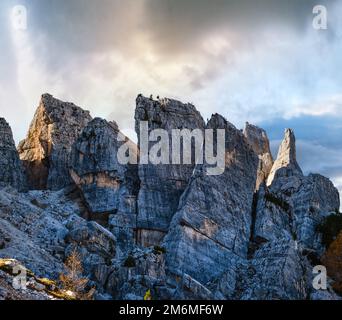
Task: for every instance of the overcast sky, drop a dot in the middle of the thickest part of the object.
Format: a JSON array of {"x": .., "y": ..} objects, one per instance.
[{"x": 257, "y": 61}]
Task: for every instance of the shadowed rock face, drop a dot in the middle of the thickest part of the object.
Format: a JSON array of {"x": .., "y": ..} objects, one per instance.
[
  {"x": 258, "y": 140},
  {"x": 286, "y": 162},
  {"x": 46, "y": 150},
  {"x": 162, "y": 185},
  {"x": 11, "y": 170},
  {"x": 210, "y": 232},
  {"x": 107, "y": 185}
]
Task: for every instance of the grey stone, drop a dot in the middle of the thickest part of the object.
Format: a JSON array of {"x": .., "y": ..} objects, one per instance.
[
  {"x": 210, "y": 232},
  {"x": 162, "y": 185},
  {"x": 286, "y": 159},
  {"x": 107, "y": 185},
  {"x": 11, "y": 169},
  {"x": 258, "y": 140},
  {"x": 46, "y": 150}
]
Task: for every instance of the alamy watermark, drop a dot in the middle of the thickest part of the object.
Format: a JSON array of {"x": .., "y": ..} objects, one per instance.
[
  {"x": 20, "y": 279},
  {"x": 19, "y": 17},
  {"x": 320, "y": 20},
  {"x": 319, "y": 282},
  {"x": 177, "y": 146}
]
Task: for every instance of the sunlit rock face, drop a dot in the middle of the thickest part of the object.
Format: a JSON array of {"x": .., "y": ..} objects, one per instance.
[
  {"x": 46, "y": 150},
  {"x": 258, "y": 140},
  {"x": 286, "y": 162},
  {"x": 108, "y": 186},
  {"x": 210, "y": 232},
  {"x": 11, "y": 170},
  {"x": 162, "y": 185}
]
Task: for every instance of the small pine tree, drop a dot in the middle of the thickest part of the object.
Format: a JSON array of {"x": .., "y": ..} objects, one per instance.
[
  {"x": 72, "y": 280},
  {"x": 148, "y": 295}
]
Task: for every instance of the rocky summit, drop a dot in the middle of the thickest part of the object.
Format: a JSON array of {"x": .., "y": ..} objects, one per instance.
[
  {"x": 161, "y": 231},
  {"x": 46, "y": 150}
]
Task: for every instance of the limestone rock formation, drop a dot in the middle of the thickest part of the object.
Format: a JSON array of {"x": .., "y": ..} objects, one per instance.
[
  {"x": 294, "y": 202},
  {"x": 248, "y": 233},
  {"x": 46, "y": 150},
  {"x": 162, "y": 185},
  {"x": 11, "y": 170},
  {"x": 107, "y": 185},
  {"x": 210, "y": 232},
  {"x": 286, "y": 162},
  {"x": 284, "y": 231},
  {"x": 258, "y": 140},
  {"x": 278, "y": 272},
  {"x": 32, "y": 228}
]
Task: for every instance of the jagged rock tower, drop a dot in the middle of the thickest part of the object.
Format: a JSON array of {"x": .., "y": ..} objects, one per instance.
[
  {"x": 46, "y": 150},
  {"x": 162, "y": 185},
  {"x": 286, "y": 163},
  {"x": 210, "y": 232},
  {"x": 258, "y": 140}
]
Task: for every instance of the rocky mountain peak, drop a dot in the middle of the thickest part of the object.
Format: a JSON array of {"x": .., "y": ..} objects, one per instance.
[
  {"x": 11, "y": 170},
  {"x": 257, "y": 138},
  {"x": 162, "y": 185},
  {"x": 286, "y": 162},
  {"x": 166, "y": 113},
  {"x": 168, "y": 229},
  {"x": 258, "y": 141},
  {"x": 217, "y": 121},
  {"x": 210, "y": 231},
  {"x": 45, "y": 151}
]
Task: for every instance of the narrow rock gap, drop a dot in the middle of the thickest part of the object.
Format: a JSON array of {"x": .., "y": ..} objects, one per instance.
[{"x": 252, "y": 244}]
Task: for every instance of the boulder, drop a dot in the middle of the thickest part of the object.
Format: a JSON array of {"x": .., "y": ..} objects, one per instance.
[
  {"x": 95, "y": 243},
  {"x": 130, "y": 277}
]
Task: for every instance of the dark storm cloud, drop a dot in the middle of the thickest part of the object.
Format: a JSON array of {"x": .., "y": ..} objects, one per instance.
[
  {"x": 171, "y": 26},
  {"x": 178, "y": 24},
  {"x": 68, "y": 29}
]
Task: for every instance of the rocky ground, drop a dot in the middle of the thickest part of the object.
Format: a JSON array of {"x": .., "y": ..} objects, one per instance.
[{"x": 254, "y": 232}]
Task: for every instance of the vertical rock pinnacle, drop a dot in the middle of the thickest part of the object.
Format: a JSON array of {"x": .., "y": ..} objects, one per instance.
[{"x": 286, "y": 162}]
